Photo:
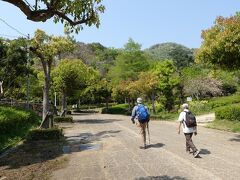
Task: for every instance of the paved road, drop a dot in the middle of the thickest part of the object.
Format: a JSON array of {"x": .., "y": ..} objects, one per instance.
[{"x": 107, "y": 147}]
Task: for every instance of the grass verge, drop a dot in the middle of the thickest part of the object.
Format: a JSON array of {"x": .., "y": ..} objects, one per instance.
[
  {"x": 14, "y": 125},
  {"x": 225, "y": 125}
]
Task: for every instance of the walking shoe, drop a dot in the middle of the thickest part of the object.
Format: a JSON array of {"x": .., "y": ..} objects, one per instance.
[
  {"x": 143, "y": 147},
  {"x": 188, "y": 151},
  {"x": 196, "y": 153}
]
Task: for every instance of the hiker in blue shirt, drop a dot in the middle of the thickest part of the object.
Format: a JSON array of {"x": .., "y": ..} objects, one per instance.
[{"x": 140, "y": 112}]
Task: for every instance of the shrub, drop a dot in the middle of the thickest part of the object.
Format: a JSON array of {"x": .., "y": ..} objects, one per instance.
[
  {"x": 117, "y": 109},
  {"x": 231, "y": 113},
  {"x": 63, "y": 119},
  {"x": 159, "y": 107},
  {"x": 45, "y": 134},
  {"x": 198, "y": 107}
]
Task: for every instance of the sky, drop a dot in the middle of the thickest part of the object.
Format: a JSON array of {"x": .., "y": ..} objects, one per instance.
[{"x": 147, "y": 22}]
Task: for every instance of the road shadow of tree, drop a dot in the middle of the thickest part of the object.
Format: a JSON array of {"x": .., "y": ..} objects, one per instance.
[
  {"x": 157, "y": 145},
  {"x": 236, "y": 138},
  {"x": 89, "y": 137},
  {"x": 95, "y": 121},
  {"x": 86, "y": 141},
  {"x": 165, "y": 177}
]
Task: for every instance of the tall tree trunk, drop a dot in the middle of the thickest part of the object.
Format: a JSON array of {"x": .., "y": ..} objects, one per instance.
[
  {"x": 107, "y": 102},
  {"x": 153, "y": 102},
  {"x": 46, "y": 115},
  {"x": 64, "y": 104}
]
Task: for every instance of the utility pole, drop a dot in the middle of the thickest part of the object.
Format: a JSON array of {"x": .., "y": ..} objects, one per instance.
[
  {"x": 28, "y": 81},
  {"x": 55, "y": 99}
]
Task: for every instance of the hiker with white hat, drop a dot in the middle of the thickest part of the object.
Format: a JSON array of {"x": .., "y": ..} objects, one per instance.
[{"x": 140, "y": 112}]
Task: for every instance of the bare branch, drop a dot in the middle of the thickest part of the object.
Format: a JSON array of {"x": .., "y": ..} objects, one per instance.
[
  {"x": 45, "y": 14},
  {"x": 71, "y": 22}
]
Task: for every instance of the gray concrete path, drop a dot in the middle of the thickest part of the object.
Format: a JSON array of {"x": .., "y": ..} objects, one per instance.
[{"x": 107, "y": 147}]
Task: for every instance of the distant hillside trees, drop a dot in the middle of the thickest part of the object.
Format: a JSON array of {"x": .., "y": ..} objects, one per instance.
[{"x": 179, "y": 54}]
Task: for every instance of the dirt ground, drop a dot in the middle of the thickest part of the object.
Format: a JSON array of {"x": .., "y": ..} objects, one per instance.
[{"x": 33, "y": 160}]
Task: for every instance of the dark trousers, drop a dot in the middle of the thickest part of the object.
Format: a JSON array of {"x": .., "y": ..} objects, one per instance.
[
  {"x": 189, "y": 142},
  {"x": 143, "y": 131}
]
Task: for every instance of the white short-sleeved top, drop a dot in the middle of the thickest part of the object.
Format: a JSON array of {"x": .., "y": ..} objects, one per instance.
[{"x": 182, "y": 119}]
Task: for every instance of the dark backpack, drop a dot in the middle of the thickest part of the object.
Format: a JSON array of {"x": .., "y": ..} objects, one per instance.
[
  {"x": 190, "y": 119},
  {"x": 142, "y": 114}
]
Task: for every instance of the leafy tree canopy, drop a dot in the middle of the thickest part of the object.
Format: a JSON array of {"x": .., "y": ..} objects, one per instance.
[
  {"x": 129, "y": 63},
  {"x": 220, "y": 45},
  {"x": 13, "y": 63}
]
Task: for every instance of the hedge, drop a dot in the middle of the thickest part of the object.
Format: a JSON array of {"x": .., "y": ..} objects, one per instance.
[
  {"x": 45, "y": 134},
  {"x": 117, "y": 109},
  {"x": 224, "y": 101},
  {"x": 63, "y": 119},
  {"x": 231, "y": 113}
]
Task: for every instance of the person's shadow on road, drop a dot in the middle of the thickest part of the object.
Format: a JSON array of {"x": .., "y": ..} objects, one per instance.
[
  {"x": 157, "y": 145},
  {"x": 204, "y": 151}
]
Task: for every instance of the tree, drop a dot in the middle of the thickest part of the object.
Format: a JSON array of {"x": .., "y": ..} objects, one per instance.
[
  {"x": 72, "y": 13},
  {"x": 129, "y": 63},
  {"x": 148, "y": 85},
  {"x": 68, "y": 76},
  {"x": 220, "y": 45},
  {"x": 200, "y": 81},
  {"x": 167, "y": 81},
  {"x": 126, "y": 91},
  {"x": 102, "y": 91},
  {"x": 46, "y": 48},
  {"x": 202, "y": 87}
]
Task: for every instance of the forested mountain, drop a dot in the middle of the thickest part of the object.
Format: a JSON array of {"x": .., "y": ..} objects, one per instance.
[
  {"x": 82, "y": 51},
  {"x": 181, "y": 55},
  {"x": 93, "y": 54}
]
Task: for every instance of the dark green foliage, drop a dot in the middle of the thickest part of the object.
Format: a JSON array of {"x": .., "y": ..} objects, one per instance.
[
  {"x": 45, "y": 134},
  {"x": 13, "y": 63},
  {"x": 63, "y": 119},
  {"x": 117, "y": 109},
  {"x": 231, "y": 113},
  {"x": 229, "y": 89}
]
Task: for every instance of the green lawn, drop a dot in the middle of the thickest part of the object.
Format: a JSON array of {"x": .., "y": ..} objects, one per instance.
[{"x": 225, "y": 125}]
